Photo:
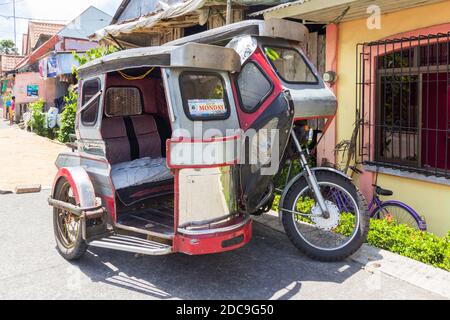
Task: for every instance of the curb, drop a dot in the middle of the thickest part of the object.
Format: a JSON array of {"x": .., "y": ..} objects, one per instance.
[
  {"x": 25, "y": 189},
  {"x": 421, "y": 275},
  {"x": 31, "y": 188}
]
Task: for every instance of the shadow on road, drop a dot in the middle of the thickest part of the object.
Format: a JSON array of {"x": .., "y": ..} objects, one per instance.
[{"x": 268, "y": 268}]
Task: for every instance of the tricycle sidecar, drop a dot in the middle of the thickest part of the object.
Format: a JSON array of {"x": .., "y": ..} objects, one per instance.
[{"x": 124, "y": 188}]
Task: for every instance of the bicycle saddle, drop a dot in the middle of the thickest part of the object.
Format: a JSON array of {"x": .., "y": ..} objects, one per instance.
[{"x": 383, "y": 192}]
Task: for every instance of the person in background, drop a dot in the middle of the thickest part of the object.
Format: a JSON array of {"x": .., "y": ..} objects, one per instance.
[
  {"x": 7, "y": 106},
  {"x": 11, "y": 110}
]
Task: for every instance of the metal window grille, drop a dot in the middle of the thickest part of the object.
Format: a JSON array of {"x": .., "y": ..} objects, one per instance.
[{"x": 403, "y": 103}]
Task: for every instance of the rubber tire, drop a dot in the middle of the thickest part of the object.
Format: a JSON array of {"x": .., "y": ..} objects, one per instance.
[
  {"x": 302, "y": 245},
  {"x": 80, "y": 247},
  {"x": 385, "y": 205}
]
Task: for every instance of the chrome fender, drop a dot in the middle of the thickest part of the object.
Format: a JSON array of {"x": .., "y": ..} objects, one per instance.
[
  {"x": 303, "y": 175},
  {"x": 81, "y": 185}
]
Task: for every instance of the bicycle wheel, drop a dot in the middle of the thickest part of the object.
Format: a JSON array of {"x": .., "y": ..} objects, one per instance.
[{"x": 399, "y": 214}]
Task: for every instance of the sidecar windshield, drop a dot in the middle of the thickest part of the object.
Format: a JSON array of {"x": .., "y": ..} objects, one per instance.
[{"x": 290, "y": 65}]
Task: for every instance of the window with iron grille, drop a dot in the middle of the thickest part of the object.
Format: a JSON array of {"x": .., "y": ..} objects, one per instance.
[{"x": 403, "y": 102}]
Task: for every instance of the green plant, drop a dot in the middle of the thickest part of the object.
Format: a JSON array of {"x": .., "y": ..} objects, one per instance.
[
  {"x": 37, "y": 122},
  {"x": 92, "y": 54},
  {"x": 68, "y": 117},
  {"x": 406, "y": 241},
  {"x": 397, "y": 238}
]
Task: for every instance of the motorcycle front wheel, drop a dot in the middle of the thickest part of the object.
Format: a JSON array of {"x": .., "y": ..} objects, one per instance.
[{"x": 326, "y": 239}]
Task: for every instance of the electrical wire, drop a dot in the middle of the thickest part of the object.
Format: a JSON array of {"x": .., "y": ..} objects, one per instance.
[{"x": 11, "y": 2}]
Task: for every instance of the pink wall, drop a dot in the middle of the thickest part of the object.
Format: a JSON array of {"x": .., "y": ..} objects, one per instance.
[{"x": 47, "y": 88}]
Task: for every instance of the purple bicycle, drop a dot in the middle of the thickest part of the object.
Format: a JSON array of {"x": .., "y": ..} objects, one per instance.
[{"x": 391, "y": 210}]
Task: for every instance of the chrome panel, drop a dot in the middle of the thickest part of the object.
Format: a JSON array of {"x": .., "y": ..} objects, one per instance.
[
  {"x": 284, "y": 29},
  {"x": 67, "y": 160},
  {"x": 196, "y": 232},
  {"x": 206, "y": 153},
  {"x": 206, "y": 195},
  {"x": 92, "y": 147},
  {"x": 203, "y": 56},
  {"x": 314, "y": 102},
  {"x": 99, "y": 173},
  {"x": 132, "y": 244}
]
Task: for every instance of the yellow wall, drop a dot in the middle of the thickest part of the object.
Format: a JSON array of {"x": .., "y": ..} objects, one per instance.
[{"x": 430, "y": 200}]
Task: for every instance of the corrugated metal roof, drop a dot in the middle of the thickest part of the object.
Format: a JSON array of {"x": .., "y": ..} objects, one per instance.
[
  {"x": 91, "y": 20},
  {"x": 281, "y": 6},
  {"x": 342, "y": 10}
]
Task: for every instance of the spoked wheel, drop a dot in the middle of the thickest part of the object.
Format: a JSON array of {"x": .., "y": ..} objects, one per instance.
[
  {"x": 332, "y": 239},
  {"x": 396, "y": 213},
  {"x": 67, "y": 226}
]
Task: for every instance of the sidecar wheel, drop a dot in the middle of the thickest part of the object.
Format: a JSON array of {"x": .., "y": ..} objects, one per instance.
[
  {"x": 67, "y": 227},
  {"x": 332, "y": 239}
]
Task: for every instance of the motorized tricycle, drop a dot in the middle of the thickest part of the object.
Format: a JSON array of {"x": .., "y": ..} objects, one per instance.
[{"x": 179, "y": 145}]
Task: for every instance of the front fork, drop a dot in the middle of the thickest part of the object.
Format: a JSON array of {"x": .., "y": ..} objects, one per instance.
[{"x": 311, "y": 178}]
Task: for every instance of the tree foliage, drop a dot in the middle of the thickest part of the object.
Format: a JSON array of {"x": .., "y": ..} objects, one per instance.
[
  {"x": 68, "y": 117},
  {"x": 92, "y": 54},
  {"x": 8, "y": 47}
]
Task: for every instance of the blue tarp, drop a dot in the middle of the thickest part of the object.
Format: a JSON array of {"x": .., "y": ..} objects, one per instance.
[{"x": 66, "y": 61}]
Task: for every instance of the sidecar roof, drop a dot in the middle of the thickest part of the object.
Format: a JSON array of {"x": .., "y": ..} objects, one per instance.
[
  {"x": 272, "y": 28},
  {"x": 189, "y": 55}
]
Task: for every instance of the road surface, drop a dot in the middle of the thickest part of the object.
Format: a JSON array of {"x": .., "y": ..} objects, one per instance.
[{"x": 268, "y": 268}]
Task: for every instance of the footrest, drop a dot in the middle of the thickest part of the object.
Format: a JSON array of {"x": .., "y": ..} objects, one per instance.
[{"x": 132, "y": 244}]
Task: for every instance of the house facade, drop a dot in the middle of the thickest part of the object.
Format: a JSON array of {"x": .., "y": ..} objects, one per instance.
[
  {"x": 46, "y": 70},
  {"x": 7, "y": 63},
  {"x": 392, "y": 60}
]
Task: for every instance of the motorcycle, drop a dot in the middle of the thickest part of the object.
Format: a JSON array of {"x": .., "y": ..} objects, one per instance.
[{"x": 178, "y": 146}]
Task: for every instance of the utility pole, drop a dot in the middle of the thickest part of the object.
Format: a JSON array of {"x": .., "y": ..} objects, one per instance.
[{"x": 15, "y": 33}]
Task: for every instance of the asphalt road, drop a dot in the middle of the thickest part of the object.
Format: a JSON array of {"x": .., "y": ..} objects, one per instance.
[{"x": 268, "y": 268}]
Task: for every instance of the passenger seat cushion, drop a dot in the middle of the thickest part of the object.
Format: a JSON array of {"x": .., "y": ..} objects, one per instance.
[{"x": 139, "y": 172}]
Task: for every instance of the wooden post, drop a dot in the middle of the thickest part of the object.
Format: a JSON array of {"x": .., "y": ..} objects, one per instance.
[
  {"x": 326, "y": 147},
  {"x": 229, "y": 12}
]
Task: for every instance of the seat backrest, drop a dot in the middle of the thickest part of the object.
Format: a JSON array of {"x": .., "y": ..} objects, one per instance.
[
  {"x": 114, "y": 134},
  {"x": 131, "y": 138},
  {"x": 146, "y": 131}
]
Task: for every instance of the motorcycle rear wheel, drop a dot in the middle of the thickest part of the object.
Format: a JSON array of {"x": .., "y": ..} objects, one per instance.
[
  {"x": 332, "y": 239},
  {"x": 67, "y": 227}
]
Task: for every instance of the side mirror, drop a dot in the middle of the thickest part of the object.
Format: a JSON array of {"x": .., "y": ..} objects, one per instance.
[{"x": 330, "y": 77}]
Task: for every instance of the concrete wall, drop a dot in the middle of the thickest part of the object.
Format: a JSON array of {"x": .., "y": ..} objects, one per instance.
[
  {"x": 47, "y": 88},
  {"x": 431, "y": 200}
]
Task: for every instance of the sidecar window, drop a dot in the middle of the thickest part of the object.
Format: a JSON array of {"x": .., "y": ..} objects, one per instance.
[
  {"x": 123, "y": 101},
  {"x": 204, "y": 96},
  {"x": 89, "y": 114},
  {"x": 290, "y": 65},
  {"x": 254, "y": 87}
]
